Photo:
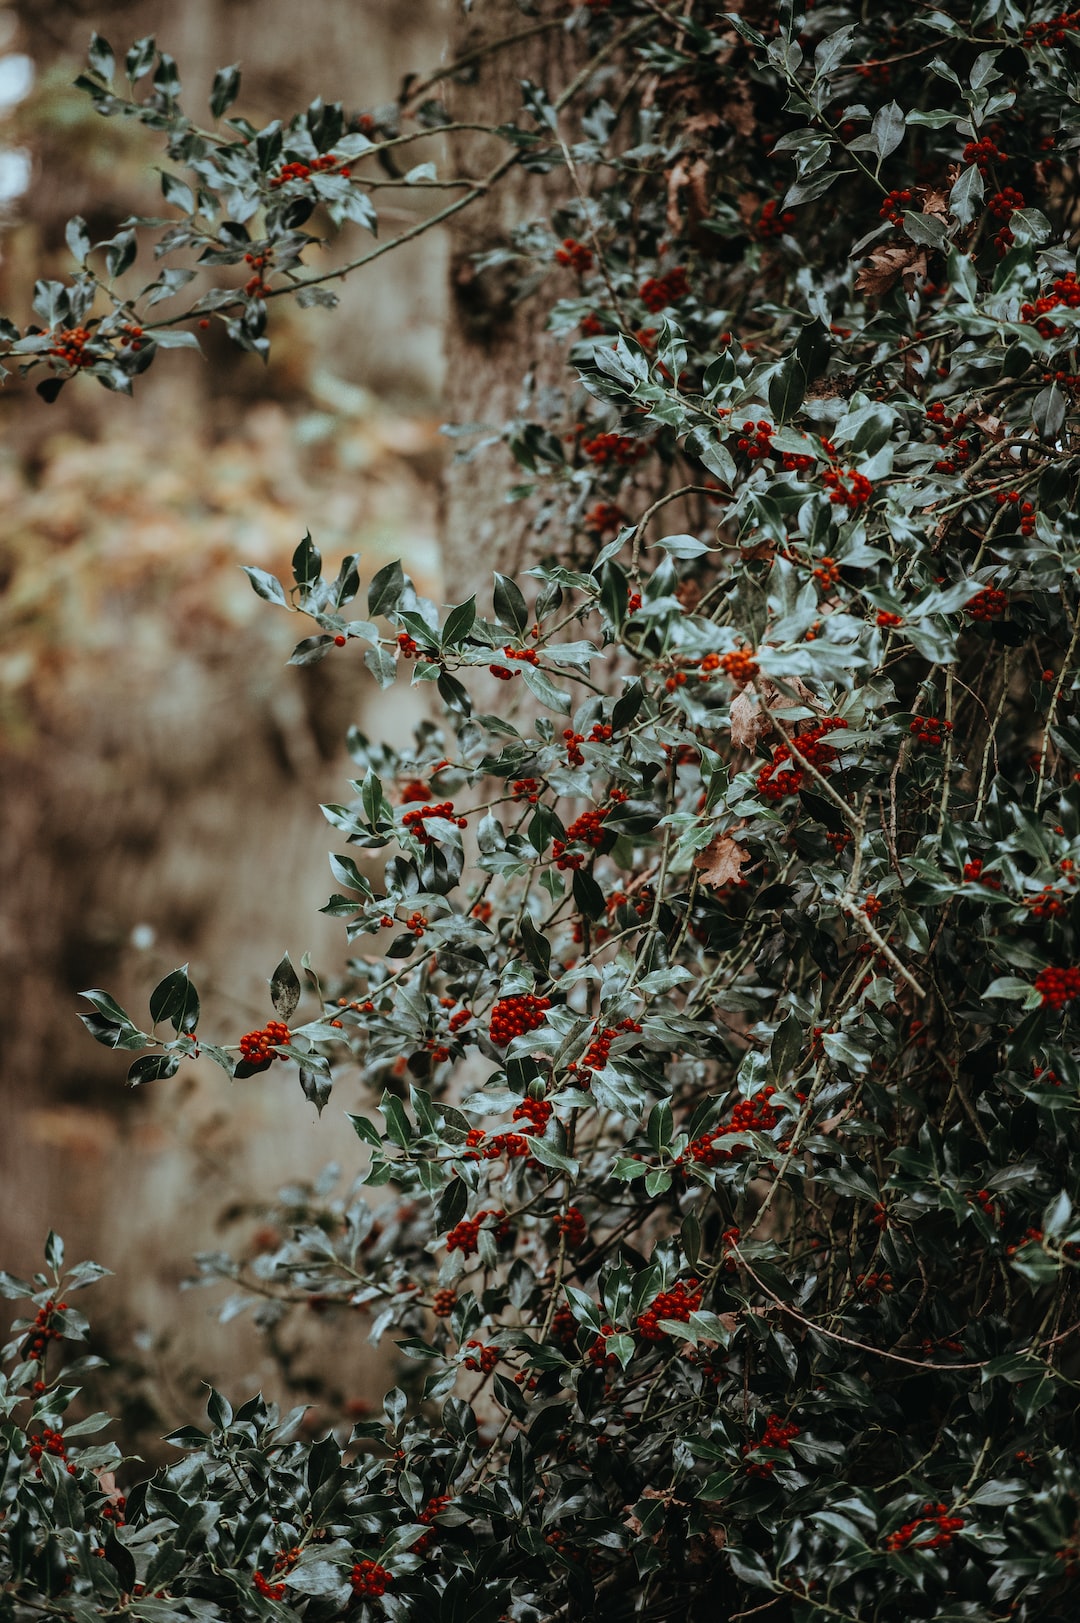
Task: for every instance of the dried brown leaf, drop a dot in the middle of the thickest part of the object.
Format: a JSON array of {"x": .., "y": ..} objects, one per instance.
[
  {"x": 759, "y": 550},
  {"x": 751, "y": 712},
  {"x": 989, "y": 425},
  {"x": 689, "y": 175},
  {"x": 721, "y": 862},
  {"x": 887, "y": 264},
  {"x": 749, "y": 721}
]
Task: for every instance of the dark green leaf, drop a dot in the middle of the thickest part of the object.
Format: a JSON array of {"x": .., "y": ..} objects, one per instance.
[
  {"x": 510, "y": 606},
  {"x": 225, "y": 89},
  {"x": 175, "y": 999},
  {"x": 384, "y": 593},
  {"x": 285, "y": 989},
  {"x": 266, "y": 586}
]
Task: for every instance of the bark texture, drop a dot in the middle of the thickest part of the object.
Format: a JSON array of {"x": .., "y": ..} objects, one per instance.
[{"x": 497, "y": 353}]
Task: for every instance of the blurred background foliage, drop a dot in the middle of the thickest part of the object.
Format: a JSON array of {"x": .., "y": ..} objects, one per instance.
[{"x": 161, "y": 765}]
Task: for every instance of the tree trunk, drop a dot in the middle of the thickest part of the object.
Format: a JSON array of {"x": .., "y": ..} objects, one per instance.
[{"x": 497, "y": 352}]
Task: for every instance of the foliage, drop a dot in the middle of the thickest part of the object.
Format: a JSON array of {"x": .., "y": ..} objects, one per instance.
[{"x": 727, "y": 1032}]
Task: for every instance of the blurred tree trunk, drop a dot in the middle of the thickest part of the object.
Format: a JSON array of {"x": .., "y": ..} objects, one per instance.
[{"x": 497, "y": 352}]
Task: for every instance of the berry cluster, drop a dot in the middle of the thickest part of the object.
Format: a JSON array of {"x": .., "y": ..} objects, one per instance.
[
  {"x": 574, "y": 756},
  {"x": 1066, "y": 292},
  {"x": 989, "y": 604},
  {"x": 572, "y": 1226},
  {"x": 755, "y": 441},
  {"x": 1057, "y": 987},
  {"x": 753, "y": 1115},
  {"x": 131, "y": 334},
  {"x": 464, "y": 1236},
  {"x": 369, "y": 1579},
  {"x": 858, "y": 492},
  {"x": 483, "y": 1358},
  {"x": 41, "y": 1331},
  {"x": 513, "y": 1145},
  {"x": 1048, "y": 904},
  {"x": 414, "y": 820},
  {"x": 677, "y": 1303},
  {"x": 1027, "y": 509},
  {"x": 444, "y": 1302},
  {"x": 1029, "y": 1237},
  {"x": 297, "y": 170},
  {"x": 604, "y": 519},
  {"x": 514, "y": 1016},
  {"x": 950, "y": 432},
  {"x": 932, "y": 1516},
  {"x": 564, "y": 1326},
  {"x": 537, "y": 1112},
  {"x": 641, "y": 903},
  {"x": 1052, "y": 32},
  {"x": 437, "y": 1503},
  {"x": 872, "y": 1287},
  {"x": 973, "y": 875},
  {"x": 619, "y": 449},
  {"x": 596, "y": 1055},
  {"x": 776, "y": 785},
  {"x": 777, "y": 1434},
  {"x": 929, "y": 730},
  {"x": 826, "y": 572},
  {"x": 772, "y": 223},
  {"x": 258, "y": 1046},
  {"x": 1001, "y": 207},
  {"x": 575, "y": 255},
  {"x": 887, "y": 619},
  {"x": 113, "y": 1511},
  {"x": 528, "y": 655},
  {"x": 588, "y": 829},
  {"x": 892, "y": 209},
  {"x": 591, "y": 325},
  {"x": 51, "y": 1442},
  {"x": 263, "y": 1585},
  {"x": 983, "y": 153},
  {"x": 526, "y": 789},
  {"x": 255, "y": 287},
  {"x": 70, "y": 346},
  {"x": 657, "y": 292},
  {"x": 598, "y": 1353},
  {"x": 983, "y": 1198},
  {"x": 739, "y": 666},
  {"x": 408, "y": 647}
]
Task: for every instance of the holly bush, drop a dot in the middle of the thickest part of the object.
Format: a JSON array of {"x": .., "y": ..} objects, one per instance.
[{"x": 711, "y": 1019}]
